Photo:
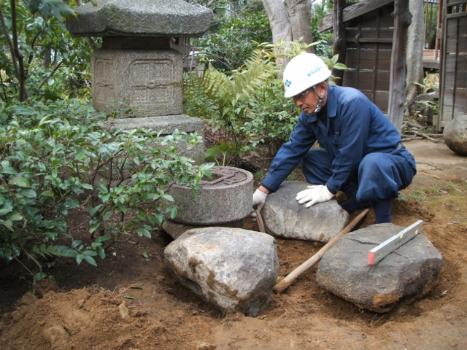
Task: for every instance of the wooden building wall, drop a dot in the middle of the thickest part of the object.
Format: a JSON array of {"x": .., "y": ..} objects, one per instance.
[
  {"x": 368, "y": 53},
  {"x": 453, "y": 89}
]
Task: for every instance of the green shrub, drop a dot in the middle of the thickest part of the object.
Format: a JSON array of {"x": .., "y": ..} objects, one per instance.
[
  {"x": 58, "y": 158},
  {"x": 247, "y": 104},
  {"x": 229, "y": 44}
]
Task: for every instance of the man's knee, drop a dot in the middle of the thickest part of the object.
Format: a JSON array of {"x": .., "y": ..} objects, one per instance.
[
  {"x": 317, "y": 166},
  {"x": 378, "y": 178},
  {"x": 374, "y": 164}
]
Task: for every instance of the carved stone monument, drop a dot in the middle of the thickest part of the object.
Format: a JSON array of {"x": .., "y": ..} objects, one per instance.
[{"x": 138, "y": 71}]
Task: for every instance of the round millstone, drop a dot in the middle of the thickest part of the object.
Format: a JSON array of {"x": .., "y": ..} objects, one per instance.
[{"x": 225, "y": 198}]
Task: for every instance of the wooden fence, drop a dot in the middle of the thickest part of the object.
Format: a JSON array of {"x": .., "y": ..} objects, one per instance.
[{"x": 453, "y": 89}]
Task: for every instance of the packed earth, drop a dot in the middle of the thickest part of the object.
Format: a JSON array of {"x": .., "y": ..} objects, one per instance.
[{"x": 132, "y": 301}]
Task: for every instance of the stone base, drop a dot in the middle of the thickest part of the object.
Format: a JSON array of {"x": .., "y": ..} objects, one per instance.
[
  {"x": 167, "y": 125},
  {"x": 175, "y": 229}
]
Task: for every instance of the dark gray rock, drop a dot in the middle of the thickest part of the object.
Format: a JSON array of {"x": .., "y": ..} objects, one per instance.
[
  {"x": 284, "y": 217},
  {"x": 140, "y": 18},
  {"x": 455, "y": 135},
  {"x": 409, "y": 272},
  {"x": 232, "y": 268}
]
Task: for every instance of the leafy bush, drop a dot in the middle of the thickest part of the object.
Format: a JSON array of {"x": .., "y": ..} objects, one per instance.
[
  {"x": 229, "y": 44},
  {"x": 248, "y": 104},
  {"x": 59, "y": 157},
  {"x": 40, "y": 58}
]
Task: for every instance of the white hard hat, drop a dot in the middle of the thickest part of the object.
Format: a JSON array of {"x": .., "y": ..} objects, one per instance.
[{"x": 302, "y": 72}]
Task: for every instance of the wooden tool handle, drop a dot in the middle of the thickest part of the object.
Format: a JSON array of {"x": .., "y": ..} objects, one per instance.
[
  {"x": 288, "y": 280},
  {"x": 259, "y": 219}
]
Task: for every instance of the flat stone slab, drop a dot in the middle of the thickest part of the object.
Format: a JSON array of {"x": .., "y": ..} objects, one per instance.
[
  {"x": 409, "y": 272},
  {"x": 225, "y": 198},
  {"x": 231, "y": 268},
  {"x": 165, "y": 124},
  {"x": 140, "y": 18},
  {"x": 284, "y": 217}
]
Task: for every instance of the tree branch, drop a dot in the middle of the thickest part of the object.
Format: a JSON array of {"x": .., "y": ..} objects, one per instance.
[
  {"x": 19, "y": 56},
  {"x": 9, "y": 42},
  {"x": 51, "y": 74}
]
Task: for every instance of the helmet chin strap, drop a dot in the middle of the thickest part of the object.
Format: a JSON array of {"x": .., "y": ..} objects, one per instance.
[{"x": 319, "y": 105}]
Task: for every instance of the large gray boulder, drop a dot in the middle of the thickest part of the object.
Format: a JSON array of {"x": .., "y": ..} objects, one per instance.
[
  {"x": 409, "y": 272},
  {"x": 232, "y": 268},
  {"x": 455, "y": 135},
  {"x": 140, "y": 18},
  {"x": 284, "y": 217}
]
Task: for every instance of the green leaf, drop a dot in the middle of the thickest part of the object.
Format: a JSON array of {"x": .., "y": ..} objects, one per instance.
[
  {"x": 29, "y": 193},
  {"x": 101, "y": 252},
  {"x": 168, "y": 197},
  {"x": 87, "y": 186},
  {"x": 15, "y": 217},
  {"x": 8, "y": 224},
  {"x": 340, "y": 66},
  {"x": 7, "y": 168},
  {"x": 39, "y": 276},
  {"x": 6, "y": 208},
  {"x": 20, "y": 181},
  {"x": 173, "y": 212},
  {"x": 62, "y": 251},
  {"x": 90, "y": 260},
  {"x": 334, "y": 59},
  {"x": 79, "y": 258},
  {"x": 144, "y": 232}
]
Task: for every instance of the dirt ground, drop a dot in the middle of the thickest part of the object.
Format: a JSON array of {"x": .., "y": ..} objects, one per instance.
[{"x": 132, "y": 301}]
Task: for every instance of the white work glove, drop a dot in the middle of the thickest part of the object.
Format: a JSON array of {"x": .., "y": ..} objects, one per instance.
[
  {"x": 259, "y": 198},
  {"x": 314, "y": 194}
]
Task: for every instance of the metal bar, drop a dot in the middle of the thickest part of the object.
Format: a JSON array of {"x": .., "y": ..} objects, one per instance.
[{"x": 388, "y": 246}]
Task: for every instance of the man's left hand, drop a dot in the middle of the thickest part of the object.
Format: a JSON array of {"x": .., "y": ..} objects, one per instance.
[{"x": 314, "y": 194}]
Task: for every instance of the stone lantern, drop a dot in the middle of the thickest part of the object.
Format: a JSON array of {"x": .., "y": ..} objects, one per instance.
[{"x": 138, "y": 70}]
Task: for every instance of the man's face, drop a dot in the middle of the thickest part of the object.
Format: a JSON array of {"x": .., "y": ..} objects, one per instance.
[{"x": 308, "y": 99}]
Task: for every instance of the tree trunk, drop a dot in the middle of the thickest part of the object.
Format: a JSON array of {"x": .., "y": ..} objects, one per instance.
[
  {"x": 415, "y": 45},
  {"x": 300, "y": 20},
  {"x": 280, "y": 26},
  {"x": 278, "y": 20},
  {"x": 398, "y": 64},
  {"x": 290, "y": 20},
  {"x": 339, "y": 37}
]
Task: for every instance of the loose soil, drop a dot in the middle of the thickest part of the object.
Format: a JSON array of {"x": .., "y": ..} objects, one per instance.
[{"x": 133, "y": 302}]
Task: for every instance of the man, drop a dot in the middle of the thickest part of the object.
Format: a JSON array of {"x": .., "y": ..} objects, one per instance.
[{"x": 360, "y": 151}]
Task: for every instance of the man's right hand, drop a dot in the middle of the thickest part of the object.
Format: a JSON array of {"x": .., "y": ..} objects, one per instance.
[{"x": 259, "y": 197}]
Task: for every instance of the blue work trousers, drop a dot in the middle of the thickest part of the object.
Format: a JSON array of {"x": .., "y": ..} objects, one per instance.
[{"x": 379, "y": 176}]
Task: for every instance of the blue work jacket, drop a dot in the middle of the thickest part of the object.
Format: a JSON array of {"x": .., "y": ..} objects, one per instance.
[{"x": 353, "y": 128}]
